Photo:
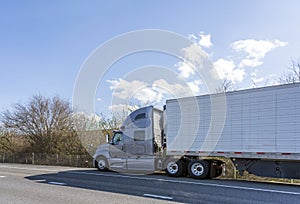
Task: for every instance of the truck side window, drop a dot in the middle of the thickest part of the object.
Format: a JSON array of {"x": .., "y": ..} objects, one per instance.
[
  {"x": 140, "y": 116},
  {"x": 117, "y": 138}
]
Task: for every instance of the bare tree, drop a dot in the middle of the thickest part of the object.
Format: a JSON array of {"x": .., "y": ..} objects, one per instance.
[
  {"x": 292, "y": 75},
  {"x": 226, "y": 86},
  {"x": 42, "y": 120},
  {"x": 108, "y": 124}
]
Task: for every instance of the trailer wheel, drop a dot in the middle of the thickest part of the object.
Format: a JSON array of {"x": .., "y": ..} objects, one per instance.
[
  {"x": 175, "y": 168},
  {"x": 198, "y": 169},
  {"x": 101, "y": 164}
]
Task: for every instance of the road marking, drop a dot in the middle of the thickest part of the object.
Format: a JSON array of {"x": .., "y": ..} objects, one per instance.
[
  {"x": 33, "y": 169},
  {"x": 2, "y": 176},
  {"x": 40, "y": 181},
  {"x": 41, "y": 168},
  {"x": 158, "y": 196},
  {"x": 187, "y": 182},
  {"x": 57, "y": 183}
]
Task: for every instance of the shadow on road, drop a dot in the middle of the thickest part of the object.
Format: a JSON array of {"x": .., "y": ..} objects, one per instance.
[{"x": 112, "y": 182}]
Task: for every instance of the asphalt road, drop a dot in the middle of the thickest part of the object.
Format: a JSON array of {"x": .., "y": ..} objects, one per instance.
[{"x": 48, "y": 184}]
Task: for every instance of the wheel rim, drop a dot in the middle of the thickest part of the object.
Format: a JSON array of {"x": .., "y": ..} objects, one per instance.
[
  {"x": 172, "y": 167},
  {"x": 101, "y": 164},
  {"x": 197, "y": 169}
]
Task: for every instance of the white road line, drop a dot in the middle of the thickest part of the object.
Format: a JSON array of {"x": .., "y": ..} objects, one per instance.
[
  {"x": 57, "y": 183},
  {"x": 158, "y": 196},
  {"x": 33, "y": 169},
  {"x": 188, "y": 182},
  {"x": 2, "y": 176},
  {"x": 40, "y": 181}
]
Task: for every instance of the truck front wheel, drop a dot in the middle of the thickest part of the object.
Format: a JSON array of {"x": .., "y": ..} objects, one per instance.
[
  {"x": 101, "y": 164},
  {"x": 198, "y": 169},
  {"x": 175, "y": 168}
]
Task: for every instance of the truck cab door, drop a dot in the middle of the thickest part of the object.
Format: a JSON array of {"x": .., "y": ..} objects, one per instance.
[
  {"x": 140, "y": 154},
  {"x": 116, "y": 150}
]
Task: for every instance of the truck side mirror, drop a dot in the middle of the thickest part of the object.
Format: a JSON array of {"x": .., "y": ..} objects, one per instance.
[{"x": 107, "y": 138}]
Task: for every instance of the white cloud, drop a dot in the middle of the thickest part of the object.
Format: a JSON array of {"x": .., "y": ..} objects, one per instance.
[
  {"x": 195, "y": 86},
  {"x": 194, "y": 59},
  {"x": 122, "y": 108},
  {"x": 176, "y": 90},
  {"x": 184, "y": 69},
  {"x": 205, "y": 40},
  {"x": 227, "y": 70},
  {"x": 139, "y": 90},
  {"x": 255, "y": 50},
  {"x": 251, "y": 62},
  {"x": 147, "y": 95},
  {"x": 122, "y": 89},
  {"x": 194, "y": 54},
  {"x": 153, "y": 93}
]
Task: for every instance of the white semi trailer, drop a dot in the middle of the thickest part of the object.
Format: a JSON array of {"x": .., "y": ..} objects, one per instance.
[{"x": 259, "y": 132}]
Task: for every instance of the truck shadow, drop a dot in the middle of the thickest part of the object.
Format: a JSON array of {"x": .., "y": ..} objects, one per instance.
[{"x": 111, "y": 182}]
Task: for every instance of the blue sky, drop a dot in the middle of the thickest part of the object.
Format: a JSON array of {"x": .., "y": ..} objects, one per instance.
[{"x": 44, "y": 43}]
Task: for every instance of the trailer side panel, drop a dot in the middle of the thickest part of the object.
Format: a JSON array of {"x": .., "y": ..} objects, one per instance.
[{"x": 260, "y": 123}]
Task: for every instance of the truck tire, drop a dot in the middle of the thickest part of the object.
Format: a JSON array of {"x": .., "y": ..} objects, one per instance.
[
  {"x": 198, "y": 169},
  {"x": 101, "y": 164},
  {"x": 175, "y": 168}
]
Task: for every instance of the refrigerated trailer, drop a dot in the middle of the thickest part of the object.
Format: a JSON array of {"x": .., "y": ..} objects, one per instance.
[{"x": 257, "y": 129}]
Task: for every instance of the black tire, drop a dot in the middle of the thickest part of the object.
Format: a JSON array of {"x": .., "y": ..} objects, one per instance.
[
  {"x": 101, "y": 164},
  {"x": 175, "y": 168},
  {"x": 198, "y": 169}
]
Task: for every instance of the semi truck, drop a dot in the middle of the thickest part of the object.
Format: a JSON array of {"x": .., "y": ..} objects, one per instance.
[{"x": 258, "y": 129}]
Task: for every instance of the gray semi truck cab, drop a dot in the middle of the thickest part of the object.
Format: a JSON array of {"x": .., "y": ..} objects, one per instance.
[{"x": 137, "y": 146}]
